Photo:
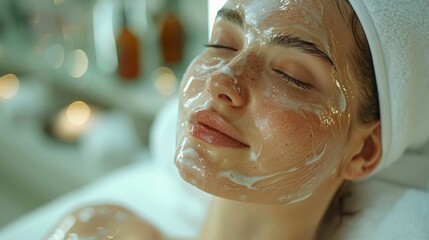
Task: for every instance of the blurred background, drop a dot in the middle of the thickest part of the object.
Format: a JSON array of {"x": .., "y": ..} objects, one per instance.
[{"x": 81, "y": 82}]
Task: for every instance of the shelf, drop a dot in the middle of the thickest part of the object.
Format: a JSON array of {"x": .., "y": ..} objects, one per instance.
[
  {"x": 136, "y": 98},
  {"x": 140, "y": 97}
]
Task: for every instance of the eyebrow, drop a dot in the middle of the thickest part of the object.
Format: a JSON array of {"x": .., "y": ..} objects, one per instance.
[
  {"x": 290, "y": 41},
  {"x": 282, "y": 40},
  {"x": 230, "y": 15}
]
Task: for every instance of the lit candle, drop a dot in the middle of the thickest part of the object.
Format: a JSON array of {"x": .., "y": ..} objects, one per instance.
[
  {"x": 165, "y": 81},
  {"x": 9, "y": 86},
  {"x": 73, "y": 120}
]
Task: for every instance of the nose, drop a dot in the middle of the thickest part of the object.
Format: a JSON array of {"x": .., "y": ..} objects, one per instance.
[{"x": 224, "y": 89}]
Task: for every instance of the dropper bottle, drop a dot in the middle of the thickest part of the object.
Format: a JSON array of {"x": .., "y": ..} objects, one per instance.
[
  {"x": 172, "y": 35},
  {"x": 128, "y": 50}
]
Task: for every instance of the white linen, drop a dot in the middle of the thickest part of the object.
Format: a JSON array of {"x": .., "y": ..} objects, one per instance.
[
  {"x": 147, "y": 190},
  {"x": 409, "y": 218}
]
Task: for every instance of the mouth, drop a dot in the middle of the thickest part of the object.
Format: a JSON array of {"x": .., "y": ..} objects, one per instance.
[{"x": 213, "y": 129}]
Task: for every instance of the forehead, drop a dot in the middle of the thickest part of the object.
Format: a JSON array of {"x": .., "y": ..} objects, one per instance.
[
  {"x": 304, "y": 16},
  {"x": 316, "y": 21},
  {"x": 255, "y": 12}
]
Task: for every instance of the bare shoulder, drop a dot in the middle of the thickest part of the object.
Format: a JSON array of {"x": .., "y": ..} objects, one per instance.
[{"x": 104, "y": 222}]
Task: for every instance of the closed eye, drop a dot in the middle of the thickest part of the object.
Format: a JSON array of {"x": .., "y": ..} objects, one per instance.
[
  {"x": 294, "y": 81},
  {"x": 220, "y": 47}
]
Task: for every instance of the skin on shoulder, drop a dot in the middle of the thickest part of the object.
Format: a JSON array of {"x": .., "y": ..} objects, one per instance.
[{"x": 104, "y": 222}]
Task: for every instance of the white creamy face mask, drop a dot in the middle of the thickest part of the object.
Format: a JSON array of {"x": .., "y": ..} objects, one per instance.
[{"x": 263, "y": 117}]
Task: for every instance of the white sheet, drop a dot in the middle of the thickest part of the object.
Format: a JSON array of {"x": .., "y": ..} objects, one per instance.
[{"x": 151, "y": 192}]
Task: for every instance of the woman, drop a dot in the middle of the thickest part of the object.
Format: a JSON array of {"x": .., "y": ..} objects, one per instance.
[
  {"x": 281, "y": 110},
  {"x": 275, "y": 111}
]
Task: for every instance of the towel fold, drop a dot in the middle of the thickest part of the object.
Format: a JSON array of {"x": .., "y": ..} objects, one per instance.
[{"x": 398, "y": 35}]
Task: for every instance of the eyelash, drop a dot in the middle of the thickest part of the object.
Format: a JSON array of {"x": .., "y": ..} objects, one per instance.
[
  {"x": 293, "y": 80},
  {"x": 285, "y": 76},
  {"x": 219, "y": 47}
]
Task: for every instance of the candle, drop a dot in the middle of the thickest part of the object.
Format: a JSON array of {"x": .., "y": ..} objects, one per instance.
[
  {"x": 73, "y": 120},
  {"x": 9, "y": 86},
  {"x": 165, "y": 81}
]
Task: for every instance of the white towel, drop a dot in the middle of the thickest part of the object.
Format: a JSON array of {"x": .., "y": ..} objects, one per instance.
[
  {"x": 398, "y": 35},
  {"x": 408, "y": 219},
  {"x": 383, "y": 211}
]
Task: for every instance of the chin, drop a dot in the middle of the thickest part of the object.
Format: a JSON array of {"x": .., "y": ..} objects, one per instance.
[{"x": 224, "y": 189}]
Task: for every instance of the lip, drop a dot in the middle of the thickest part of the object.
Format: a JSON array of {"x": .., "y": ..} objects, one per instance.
[{"x": 212, "y": 128}]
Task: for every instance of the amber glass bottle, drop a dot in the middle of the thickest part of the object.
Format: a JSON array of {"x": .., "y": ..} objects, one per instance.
[
  {"x": 128, "y": 47},
  {"x": 172, "y": 35}
]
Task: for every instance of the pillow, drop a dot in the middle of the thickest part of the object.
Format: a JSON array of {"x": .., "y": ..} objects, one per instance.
[
  {"x": 411, "y": 170},
  {"x": 162, "y": 138}
]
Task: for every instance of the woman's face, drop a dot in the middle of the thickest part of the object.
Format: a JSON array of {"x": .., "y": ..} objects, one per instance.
[{"x": 267, "y": 109}]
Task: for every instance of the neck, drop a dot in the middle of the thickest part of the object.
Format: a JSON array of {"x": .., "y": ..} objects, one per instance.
[{"x": 229, "y": 219}]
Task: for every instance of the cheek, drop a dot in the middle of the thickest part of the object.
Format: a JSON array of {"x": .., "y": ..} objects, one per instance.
[
  {"x": 203, "y": 65},
  {"x": 195, "y": 76},
  {"x": 299, "y": 153},
  {"x": 194, "y": 83},
  {"x": 295, "y": 127},
  {"x": 298, "y": 135},
  {"x": 293, "y": 138}
]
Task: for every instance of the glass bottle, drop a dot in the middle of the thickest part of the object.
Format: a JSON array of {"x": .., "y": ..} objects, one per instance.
[
  {"x": 128, "y": 48},
  {"x": 172, "y": 35}
]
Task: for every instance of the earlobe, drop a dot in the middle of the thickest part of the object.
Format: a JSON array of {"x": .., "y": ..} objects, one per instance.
[{"x": 367, "y": 155}]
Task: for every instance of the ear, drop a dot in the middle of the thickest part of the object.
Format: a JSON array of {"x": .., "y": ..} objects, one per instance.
[{"x": 367, "y": 154}]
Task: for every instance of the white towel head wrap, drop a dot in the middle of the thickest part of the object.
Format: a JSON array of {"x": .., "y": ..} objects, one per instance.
[{"x": 398, "y": 36}]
